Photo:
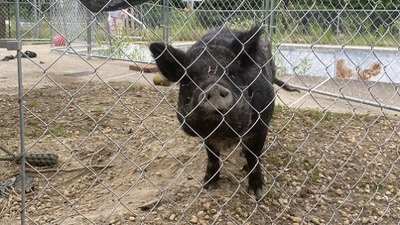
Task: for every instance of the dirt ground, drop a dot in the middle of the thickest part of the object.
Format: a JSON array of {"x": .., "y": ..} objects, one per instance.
[{"x": 124, "y": 160}]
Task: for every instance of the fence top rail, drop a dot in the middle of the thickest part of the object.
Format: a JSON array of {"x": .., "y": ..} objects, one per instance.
[{"x": 344, "y": 47}]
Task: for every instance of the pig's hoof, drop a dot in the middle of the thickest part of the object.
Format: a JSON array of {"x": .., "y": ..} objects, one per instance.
[
  {"x": 256, "y": 192},
  {"x": 210, "y": 186}
]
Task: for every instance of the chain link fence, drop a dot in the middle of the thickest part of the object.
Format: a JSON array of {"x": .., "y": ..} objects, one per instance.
[
  {"x": 99, "y": 143},
  {"x": 33, "y": 20}
]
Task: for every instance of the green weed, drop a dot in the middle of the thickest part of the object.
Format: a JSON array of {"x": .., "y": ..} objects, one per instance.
[{"x": 59, "y": 130}]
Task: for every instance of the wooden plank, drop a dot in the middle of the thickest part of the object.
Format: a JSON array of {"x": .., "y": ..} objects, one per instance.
[{"x": 146, "y": 67}]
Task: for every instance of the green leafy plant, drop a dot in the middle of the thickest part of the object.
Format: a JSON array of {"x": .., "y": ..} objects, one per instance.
[
  {"x": 303, "y": 67},
  {"x": 238, "y": 23}
]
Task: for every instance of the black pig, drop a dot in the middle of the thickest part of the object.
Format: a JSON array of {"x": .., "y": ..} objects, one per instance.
[{"x": 226, "y": 94}]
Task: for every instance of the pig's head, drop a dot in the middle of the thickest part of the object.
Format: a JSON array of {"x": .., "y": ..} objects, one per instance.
[{"x": 215, "y": 82}]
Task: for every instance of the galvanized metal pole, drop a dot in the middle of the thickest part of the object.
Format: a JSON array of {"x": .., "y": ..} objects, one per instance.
[
  {"x": 39, "y": 6},
  {"x": 89, "y": 36},
  {"x": 35, "y": 19},
  {"x": 190, "y": 4},
  {"x": 141, "y": 17},
  {"x": 3, "y": 26},
  {"x": 266, "y": 18},
  {"x": 51, "y": 12},
  {"x": 165, "y": 18},
  {"x": 358, "y": 100},
  {"x": 338, "y": 24},
  {"x": 21, "y": 114},
  {"x": 271, "y": 20}
]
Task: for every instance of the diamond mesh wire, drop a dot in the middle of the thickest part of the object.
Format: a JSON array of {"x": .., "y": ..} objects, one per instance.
[
  {"x": 31, "y": 21},
  {"x": 332, "y": 151}
]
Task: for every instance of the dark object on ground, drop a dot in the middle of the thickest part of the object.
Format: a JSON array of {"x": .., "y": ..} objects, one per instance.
[
  {"x": 226, "y": 95},
  {"x": 4, "y": 189},
  {"x": 147, "y": 68},
  {"x": 80, "y": 73},
  {"x": 43, "y": 159},
  {"x": 7, "y": 58},
  {"x": 28, "y": 54},
  {"x": 17, "y": 184},
  {"x": 285, "y": 85},
  {"x": 97, "y": 5},
  {"x": 40, "y": 159}
]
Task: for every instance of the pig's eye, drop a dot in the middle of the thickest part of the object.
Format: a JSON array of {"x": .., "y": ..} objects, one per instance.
[{"x": 187, "y": 100}]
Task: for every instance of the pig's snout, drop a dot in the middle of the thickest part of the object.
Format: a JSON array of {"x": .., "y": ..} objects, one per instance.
[{"x": 216, "y": 98}]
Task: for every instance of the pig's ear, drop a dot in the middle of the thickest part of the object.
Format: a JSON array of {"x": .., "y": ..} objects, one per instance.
[
  {"x": 245, "y": 44},
  {"x": 169, "y": 60}
]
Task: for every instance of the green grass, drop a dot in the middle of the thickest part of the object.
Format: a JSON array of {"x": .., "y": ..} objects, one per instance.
[
  {"x": 362, "y": 184},
  {"x": 317, "y": 115},
  {"x": 59, "y": 130},
  {"x": 374, "y": 210},
  {"x": 40, "y": 92},
  {"x": 274, "y": 160},
  {"x": 3, "y": 136},
  {"x": 33, "y": 132},
  {"x": 31, "y": 103},
  {"x": 312, "y": 173},
  {"x": 32, "y": 122},
  {"x": 184, "y": 27},
  {"x": 189, "y": 26},
  {"x": 395, "y": 190},
  {"x": 271, "y": 194},
  {"x": 350, "y": 34}
]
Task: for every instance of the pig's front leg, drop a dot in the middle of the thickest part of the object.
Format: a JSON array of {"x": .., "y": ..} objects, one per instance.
[
  {"x": 212, "y": 172},
  {"x": 252, "y": 150}
]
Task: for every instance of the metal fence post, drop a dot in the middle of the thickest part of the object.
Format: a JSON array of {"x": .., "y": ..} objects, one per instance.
[
  {"x": 271, "y": 20},
  {"x": 338, "y": 24},
  {"x": 35, "y": 18},
  {"x": 51, "y": 12},
  {"x": 165, "y": 19},
  {"x": 3, "y": 27},
  {"x": 21, "y": 114},
  {"x": 39, "y": 6},
  {"x": 89, "y": 36},
  {"x": 266, "y": 18}
]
